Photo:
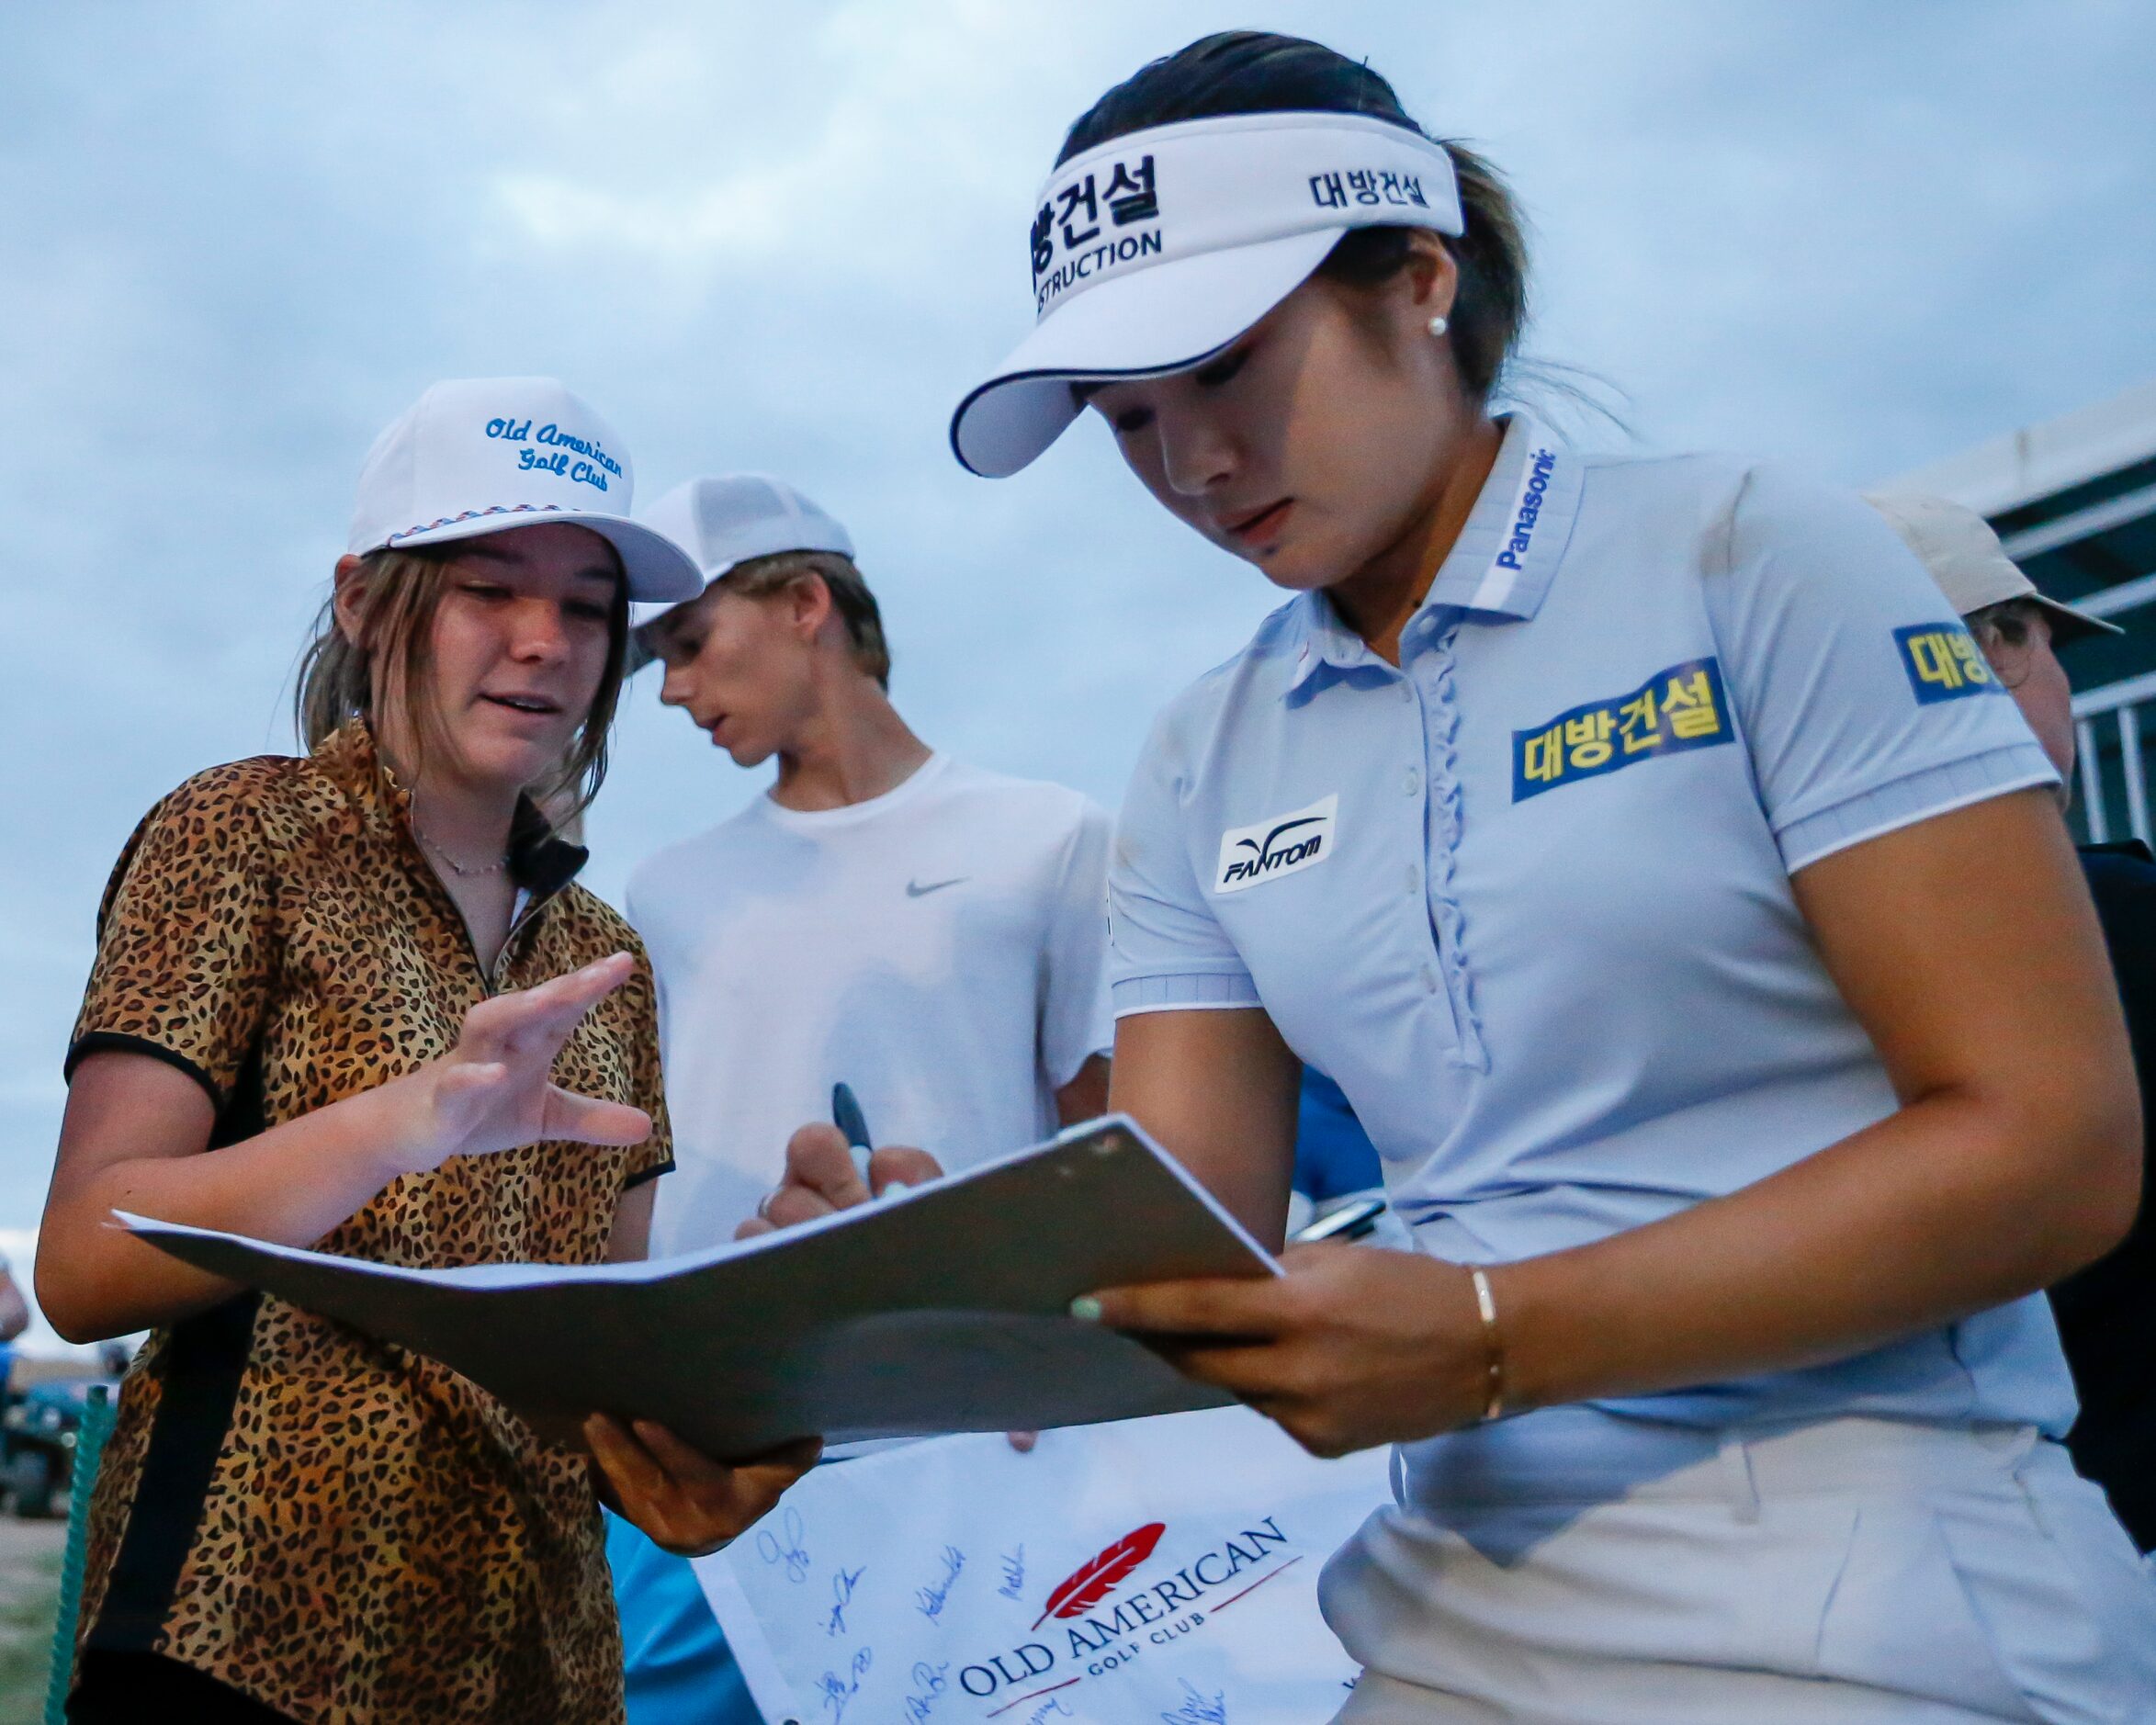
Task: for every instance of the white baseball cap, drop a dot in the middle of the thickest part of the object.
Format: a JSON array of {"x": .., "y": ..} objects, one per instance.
[
  {"x": 484, "y": 455},
  {"x": 1964, "y": 555},
  {"x": 723, "y": 521},
  {"x": 1156, "y": 249}
]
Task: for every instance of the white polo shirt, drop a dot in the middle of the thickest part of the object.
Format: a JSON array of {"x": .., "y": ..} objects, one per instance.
[
  {"x": 1526, "y": 897},
  {"x": 939, "y": 948}
]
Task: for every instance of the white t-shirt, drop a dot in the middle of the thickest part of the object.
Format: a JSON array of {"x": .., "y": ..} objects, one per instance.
[{"x": 940, "y": 948}]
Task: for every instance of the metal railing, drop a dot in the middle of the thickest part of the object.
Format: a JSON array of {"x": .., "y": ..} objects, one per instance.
[
  {"x": 2122, "y": 703},
  {"x": 2083, "y": 524}
]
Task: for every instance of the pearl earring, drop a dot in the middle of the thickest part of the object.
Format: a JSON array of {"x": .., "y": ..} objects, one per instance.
[{"x": 1440, "y": 324}]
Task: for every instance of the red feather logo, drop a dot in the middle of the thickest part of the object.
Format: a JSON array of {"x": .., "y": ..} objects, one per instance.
[{"x": 1092, "y": 1583}]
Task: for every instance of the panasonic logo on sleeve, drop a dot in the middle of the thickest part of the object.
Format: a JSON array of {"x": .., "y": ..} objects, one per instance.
[{"x": 1249, "y": 856}]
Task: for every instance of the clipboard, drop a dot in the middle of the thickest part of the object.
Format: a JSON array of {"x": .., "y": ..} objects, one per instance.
[{"x": 941, "y": 1308}]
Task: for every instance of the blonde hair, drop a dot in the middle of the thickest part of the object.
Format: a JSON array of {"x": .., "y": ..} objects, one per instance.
[
  {"x": 761, "y": 576},
  {"x": 400, "y": 592}
]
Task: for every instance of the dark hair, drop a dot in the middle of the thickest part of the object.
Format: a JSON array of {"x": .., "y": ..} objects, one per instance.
[{"x": 1255, "y": 72}]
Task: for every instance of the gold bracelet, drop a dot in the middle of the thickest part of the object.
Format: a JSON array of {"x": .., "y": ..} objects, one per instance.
[{"x": 1486, "y": 1303}]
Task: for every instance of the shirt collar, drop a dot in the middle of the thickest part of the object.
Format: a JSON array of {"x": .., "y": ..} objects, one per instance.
[
  {"x": 1500, "y": 565},
  {"x": 540, "y": 860},
  {"x": 1517, "y": 530},
  {"x": 1322, "y": 641}
]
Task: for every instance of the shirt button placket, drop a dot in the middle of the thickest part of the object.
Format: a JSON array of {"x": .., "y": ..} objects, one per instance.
[
  {"x": 1443, "y": 972},
  {"x": 1412, "y": 785},
  {"x": 1451, "y": 975}
]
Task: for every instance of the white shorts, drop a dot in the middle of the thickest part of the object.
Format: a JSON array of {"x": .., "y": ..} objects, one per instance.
[{"x": 1575, "y": 1567}]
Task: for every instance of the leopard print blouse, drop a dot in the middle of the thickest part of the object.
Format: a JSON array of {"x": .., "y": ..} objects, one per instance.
[{"x": 340, "y": 1528}]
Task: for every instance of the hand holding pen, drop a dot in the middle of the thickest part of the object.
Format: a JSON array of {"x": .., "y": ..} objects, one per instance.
[
  {"x": 824, "y": 1173},
  {"x": 852, "y": 1126}
]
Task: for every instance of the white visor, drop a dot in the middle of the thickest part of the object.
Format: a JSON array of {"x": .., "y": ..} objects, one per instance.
[{"x": 1160, "y": 247}]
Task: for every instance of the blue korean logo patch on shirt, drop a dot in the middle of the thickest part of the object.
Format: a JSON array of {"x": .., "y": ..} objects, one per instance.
[
  {"x": 1681, "y": 708},
  {"x": 1943, "y": 662}
]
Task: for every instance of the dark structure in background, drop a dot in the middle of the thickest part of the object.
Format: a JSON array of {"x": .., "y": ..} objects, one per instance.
[{"x": 2074, "y": 501}]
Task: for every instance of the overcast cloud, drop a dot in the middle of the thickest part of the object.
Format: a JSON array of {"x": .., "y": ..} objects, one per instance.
[{"x": 239, "y": 238}]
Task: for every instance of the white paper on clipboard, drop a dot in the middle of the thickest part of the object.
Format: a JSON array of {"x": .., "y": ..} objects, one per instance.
[{"x": 1153, "y": 1569}]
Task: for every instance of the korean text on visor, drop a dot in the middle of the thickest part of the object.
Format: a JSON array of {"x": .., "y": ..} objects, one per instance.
[
  {"x": 1156, "y": 248},
  {"x": 1204, "y": 185}
]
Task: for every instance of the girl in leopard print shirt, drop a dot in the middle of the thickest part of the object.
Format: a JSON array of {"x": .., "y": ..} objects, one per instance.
[{"x": 354, "y": 1001}]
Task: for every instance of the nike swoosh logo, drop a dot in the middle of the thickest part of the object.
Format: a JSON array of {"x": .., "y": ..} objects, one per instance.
[{"x": 914, "y": 889}]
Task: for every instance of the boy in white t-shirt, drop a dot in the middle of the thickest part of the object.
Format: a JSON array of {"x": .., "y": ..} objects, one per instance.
[{"x": 931, "y": 935}]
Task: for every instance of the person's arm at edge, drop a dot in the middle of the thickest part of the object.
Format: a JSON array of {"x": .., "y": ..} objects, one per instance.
[
  {"x": 1086, "y": 1096},
  {"x": 14, "y": 1310},
  {"x": 133, "y": 1138},
  {"x": 135, "y": 1130},
  {"x": 1075, "y": 1000},
  {"x": 1217, "y": 1088},
  {"x": 630, "y": 1241},
  {"x": 1967, "y": 947}
]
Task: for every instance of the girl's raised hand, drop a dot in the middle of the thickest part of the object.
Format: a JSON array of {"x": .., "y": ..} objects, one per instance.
[{"x": 495, "y": 1090}]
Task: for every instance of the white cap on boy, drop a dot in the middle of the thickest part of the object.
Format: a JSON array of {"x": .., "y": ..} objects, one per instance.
[
  {"x": 483, "y": 455},
  {"x": 1964, "y": 557},
  {"x": 1160, "y": 247},
  {"x": 726, "y": 520}
]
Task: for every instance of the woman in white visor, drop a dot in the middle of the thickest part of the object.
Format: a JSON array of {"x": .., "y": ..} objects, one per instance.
[{"x": 1628, "y": 837}]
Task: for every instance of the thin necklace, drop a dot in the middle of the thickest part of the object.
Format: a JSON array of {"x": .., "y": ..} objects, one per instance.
[
  {"x": 456, "y": 868},
  {"x": 411, "y": 805}
]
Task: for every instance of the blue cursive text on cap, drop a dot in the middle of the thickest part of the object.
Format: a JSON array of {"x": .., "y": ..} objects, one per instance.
[
  {"x": 553, "y": 435},
  {"x": 582, "y": 472},
  {"x": 593, "y": 467}
]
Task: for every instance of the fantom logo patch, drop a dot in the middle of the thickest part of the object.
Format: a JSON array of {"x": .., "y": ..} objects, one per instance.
[{"x": 1302, "y": 839}]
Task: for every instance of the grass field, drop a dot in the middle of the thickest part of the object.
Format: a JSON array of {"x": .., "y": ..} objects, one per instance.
[{"x": 30, "y": 1593}]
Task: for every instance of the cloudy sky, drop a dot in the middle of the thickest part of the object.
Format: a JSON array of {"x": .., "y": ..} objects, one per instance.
[{"x": 239, "y": 238}]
